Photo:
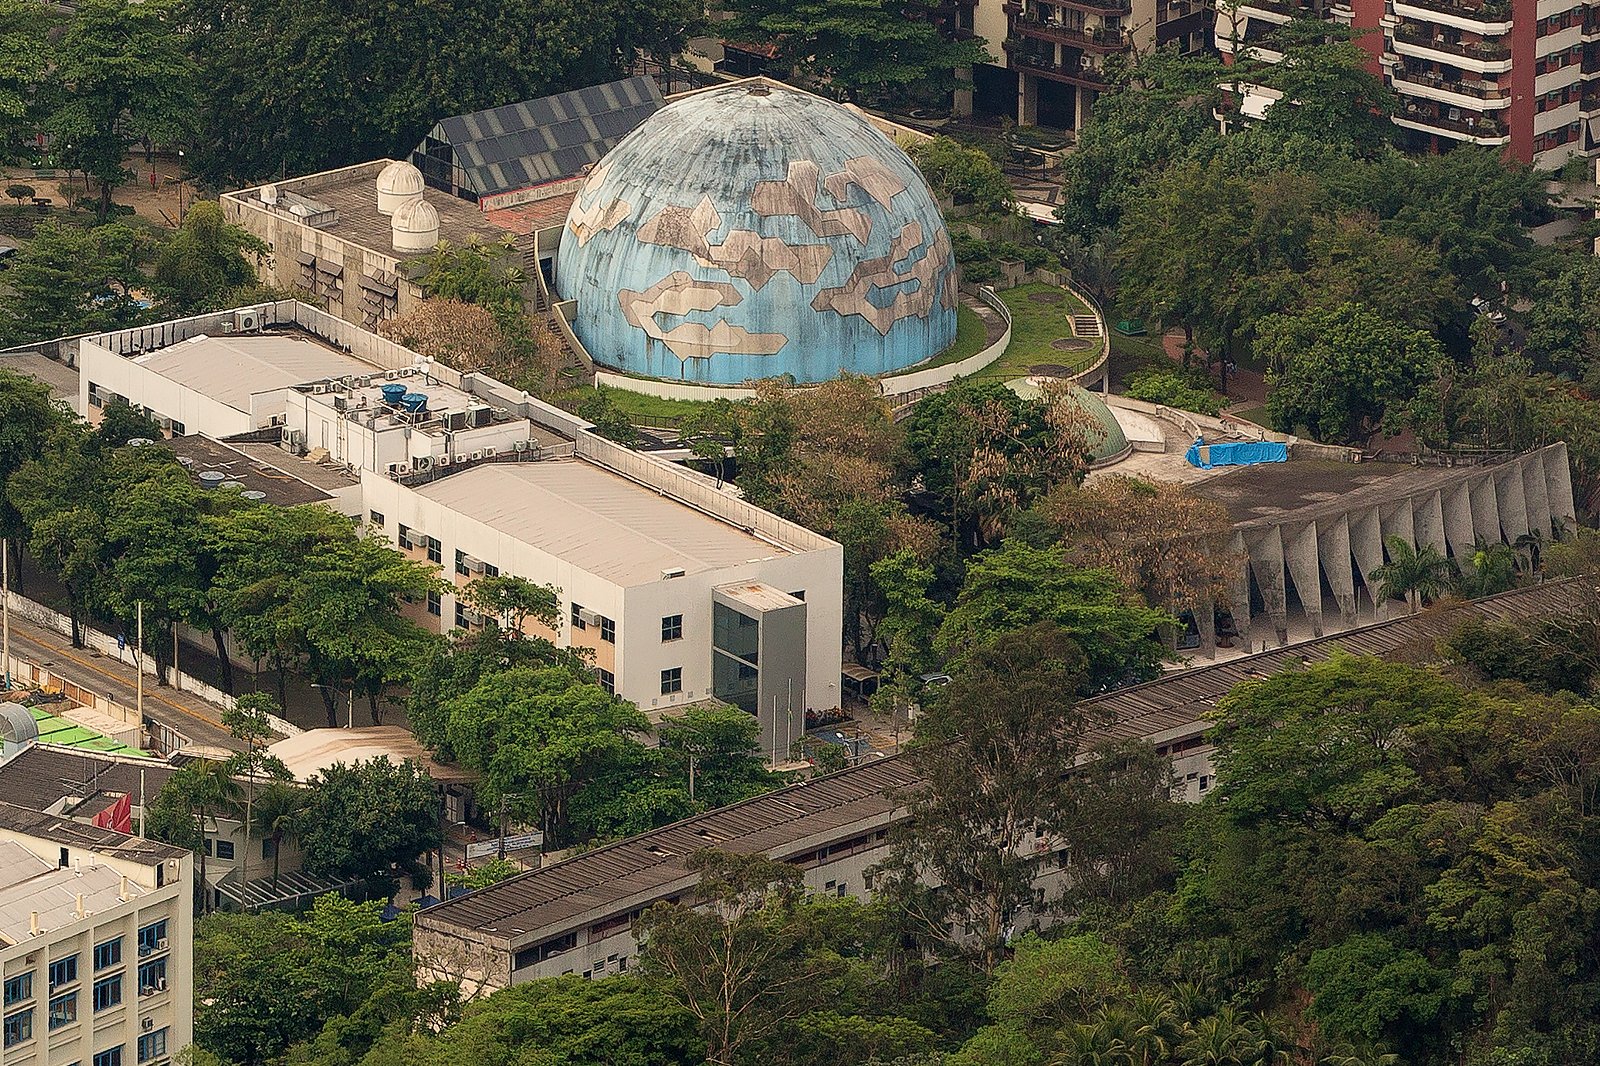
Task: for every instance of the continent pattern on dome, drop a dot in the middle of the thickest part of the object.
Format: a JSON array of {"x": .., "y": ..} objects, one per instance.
[{"x": 747, "y": 233}]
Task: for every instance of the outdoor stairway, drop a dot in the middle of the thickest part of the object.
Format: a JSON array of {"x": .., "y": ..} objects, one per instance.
[{"x": 1086, "y": 326}]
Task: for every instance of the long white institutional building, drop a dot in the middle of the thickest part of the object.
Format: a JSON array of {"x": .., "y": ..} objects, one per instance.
[{"x": 679, "y": 589}]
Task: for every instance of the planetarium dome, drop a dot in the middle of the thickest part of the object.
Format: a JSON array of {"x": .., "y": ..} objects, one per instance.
[{"x": 758, "y": 231}]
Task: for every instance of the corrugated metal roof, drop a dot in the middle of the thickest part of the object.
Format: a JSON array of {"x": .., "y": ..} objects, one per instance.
[
  {"x": 614, "y": 528},
  {"x": 63, "y": 830},
  {"x": 641, "y": 869},
  {"x": 233, "y": 368},
  {"x": 528, "y": 143}
]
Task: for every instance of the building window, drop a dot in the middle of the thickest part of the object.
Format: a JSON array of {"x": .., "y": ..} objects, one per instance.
[
  {"x": 269, "y": 848},
  {"x": 108, "y": 1058},
  {"x": 490, "y": 570},
  {"x": 153, "y": 1045},
  {"x": 461, "y": 564},
  {"x": 577, "y": 616},
  {"x": 376, "y": 518},
  {"x": 64, "y": 971},
  {"x": 672, "y": 681},
  {"x": 608, "y": 681},
  {"x": 672, "y": 628},
  {"x": 19, "y": 1027},
  {"x": 461, "y": 615},
  {"x": 608, "y": 630},
  {"x": 63, "y": 1010},
  {"x": 153, "y": 937},
  {"x": 152, "y": 976},
  {"x": 19, "y": 988},
  {"x": 435, "y": 606},
  {"x": 108, "y": 954},
  {"x": 108, "y": 992},
  {"x": 224, "y": 849},
  {"x": 435, "y": 551}
]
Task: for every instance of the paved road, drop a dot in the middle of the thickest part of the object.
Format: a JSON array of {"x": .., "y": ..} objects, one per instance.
[{"x": 196, "y": 719}]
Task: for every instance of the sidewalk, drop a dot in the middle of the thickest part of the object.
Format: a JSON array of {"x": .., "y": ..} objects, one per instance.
[{"x": 200, "y": 721}]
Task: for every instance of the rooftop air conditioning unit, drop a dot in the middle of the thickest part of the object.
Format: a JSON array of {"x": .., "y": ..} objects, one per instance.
[
  {"x": 462, "y": 457},
  {"x": 588, "y": 617},
  {"x": 476, "y": 456},
  {"x": 394, "y": 468},
  {"x": 247, "y": 321},
  {"x": 321, "y": 388},
  {"x": 671, "y": 572},
  {"x": 403, "y": 469},
  {"x": 521, "y": 446},
  {"x": 291, "y": 438},
  {"x": 488, "y": 453},
  {"x": 444, "y": 460}
]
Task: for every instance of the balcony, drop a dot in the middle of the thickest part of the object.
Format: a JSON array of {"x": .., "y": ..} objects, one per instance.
[
  {"x": 1485, "y": 57},
  {"x": 1477, "y": 95},
  {"x": 1096, "y": 39},
  {"x": 1482, "y": 17},
  {"x": 1121, "y": 8},
  {"x": 1477, "y": 129},
  {"x": 1072, "y": 72}
]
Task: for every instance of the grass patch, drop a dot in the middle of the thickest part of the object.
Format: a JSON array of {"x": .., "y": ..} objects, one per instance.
[
  {"x": 1129, "y": 355},
  {"x": 637, "y": 406},
  {"x": 970, "y": 337},
  {"x": 1034, "y": 326}
]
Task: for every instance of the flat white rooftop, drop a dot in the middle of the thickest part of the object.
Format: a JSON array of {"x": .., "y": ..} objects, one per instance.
[
  {"x": 30, "y": 886},
  {"x": 612, "y": 527},
  {"x": 231, "y": 369}
]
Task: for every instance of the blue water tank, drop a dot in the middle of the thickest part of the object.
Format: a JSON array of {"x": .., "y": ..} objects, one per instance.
[
  {"x": 392, "y": 394},
  {"x": 414, "y": 402}
]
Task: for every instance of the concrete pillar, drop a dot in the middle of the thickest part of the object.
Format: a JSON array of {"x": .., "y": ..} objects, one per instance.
[
  {"x": 1511, "y": 499},
  {"x": 1401, "y": 520},
  {"x": 1027, "y": 99},
  {"x": 1333, "y": 546},
  {"x": 1428, "y": 519},
  {"x": 1205, "y": 620},
  {"x": 1558, "y": 484},
  {"x": 1083, "y": 106},
  {"x": 1455, "y": 503},
  {"x": 1366, "y": 545},
  {"x": 1266, "y": 561},
  {"x": 961, "y": 103},
  {"x": 1300, "y": 556},
  {"x": 1536, "y": 487},
  {"x": 1485, "y": 506},
  {"x": 1239, "y": 588}
]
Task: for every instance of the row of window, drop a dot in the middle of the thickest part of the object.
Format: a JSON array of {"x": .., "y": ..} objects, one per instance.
[
  {"x": 19, "y": 1028},
  {"x": 1557, "y": 137}
]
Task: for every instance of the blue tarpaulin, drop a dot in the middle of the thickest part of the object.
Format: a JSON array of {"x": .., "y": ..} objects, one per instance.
[{"x": 1247, "y": 453}]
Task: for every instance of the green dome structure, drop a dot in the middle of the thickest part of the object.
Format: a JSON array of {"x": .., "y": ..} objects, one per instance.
[{"x": 1107, "y": 442}]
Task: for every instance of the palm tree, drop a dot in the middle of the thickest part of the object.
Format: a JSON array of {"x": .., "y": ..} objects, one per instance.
[
  {"x": 1156, "y": 1028},
  {"x": 277, "y": 817},
  {"x": 1223, "y": 1039},
  {"x": 1346, "y": 1055},
  {"x": 1419, "y": 576},
  {"x": 1493, "y": 569}
]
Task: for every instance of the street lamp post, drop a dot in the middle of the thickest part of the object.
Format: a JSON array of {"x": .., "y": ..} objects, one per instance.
[{"x": 350, "y": 713}]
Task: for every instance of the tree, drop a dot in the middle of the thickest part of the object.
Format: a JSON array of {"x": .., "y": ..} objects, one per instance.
[
  {"x": 739, "y": 963},
  {"x": 540, "y": 735},
  {"x": 1016, "y": 586},
  {"x": 1491, "y": 568},
  {"x": 121, "y": 422},
  {"x": 279, "y": 808},
  {"x": 369, "y": 818},
  {"x": 20, "y": 193},
  {"x": 717, "y": 749},
  {"x": 1345, "y": 373},
  {"x": 69, "y": 280},
  {"x": 460, "y": 335},
  {"x": 24, "y": 60},
  {"x": 209, "y": 264},
  {"x": 1367, "y": 988},
  {"x": 510, "y": 603},
  {"x": 1564, "y": 326},
  {"x": 1157, "y": 537},
  {"x": 126, "y": 78},
  {"x": 965, "y": 175},
  {"x": 29, "y": 420},
  {"x": 57, "y": 499},
  {"x": 990, "y": 753},
  {"x": 1417, "y": 575},
  {"x": 1328, "y": 93},
  {"x": 186, "y": 810},
  {"x": 863, "y": 50}
]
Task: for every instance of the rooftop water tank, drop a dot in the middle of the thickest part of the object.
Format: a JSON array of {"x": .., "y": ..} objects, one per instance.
[
  {"x": 415, "y": 226},
  {"x": 398, "y": 184},
  {"x": 415, "y": 402},
  {"x": 392, "y": 394}
]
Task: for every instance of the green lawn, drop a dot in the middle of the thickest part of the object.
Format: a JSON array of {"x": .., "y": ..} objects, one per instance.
[
  {"x": 970, "y": 336},
  {"x": 1034, "y": 325},
  {"x": 1130, "y": 354},
  {"x": 639, "y": 407}
]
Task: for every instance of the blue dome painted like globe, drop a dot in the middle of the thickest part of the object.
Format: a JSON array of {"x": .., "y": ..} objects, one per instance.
[{"x": 752, "y": 232}]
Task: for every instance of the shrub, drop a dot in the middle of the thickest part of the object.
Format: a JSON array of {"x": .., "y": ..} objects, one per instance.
[{"x": 1186, "y": 391}]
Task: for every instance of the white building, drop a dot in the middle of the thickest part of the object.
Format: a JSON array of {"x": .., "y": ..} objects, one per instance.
[
  {"x": 95, "y": 935},
  {"x": 680, "y": 589}
]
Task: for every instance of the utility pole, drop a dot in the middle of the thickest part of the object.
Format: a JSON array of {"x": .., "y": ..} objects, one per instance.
[
  {"x": 5, "y": 613},
  {"x": 350, "y": 710},
  {"x": 138, "y": 662}
]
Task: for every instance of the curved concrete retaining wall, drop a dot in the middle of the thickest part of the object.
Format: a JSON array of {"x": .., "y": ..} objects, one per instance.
[{"x": 900, "y": 384}]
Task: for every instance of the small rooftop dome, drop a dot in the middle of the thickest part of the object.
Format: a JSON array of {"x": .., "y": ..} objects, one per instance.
[
  {"x": 415, "y": 226},
  {"x": 398, "y": 183}
]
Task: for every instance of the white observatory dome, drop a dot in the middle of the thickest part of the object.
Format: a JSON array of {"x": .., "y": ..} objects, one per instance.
[
  {"x": 269, "y": 194},
  {"x": 416, "y": 226},
  {"x": 398, "y": 183}
]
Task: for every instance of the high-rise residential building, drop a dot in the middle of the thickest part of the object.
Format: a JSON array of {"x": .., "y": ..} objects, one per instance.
[
  {"x": 1052, "y": 53},
  {"x": 95, "y": 935},
  {"x": 1503, "y": 73}
]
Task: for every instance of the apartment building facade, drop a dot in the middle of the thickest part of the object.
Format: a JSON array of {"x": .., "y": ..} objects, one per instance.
[
  {"x": 1520, "y": 75},
  {"x": 95, "y": 935}
]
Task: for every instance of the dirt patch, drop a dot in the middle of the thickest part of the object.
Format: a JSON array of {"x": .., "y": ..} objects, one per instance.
[
  {"x": 1070, "y": 344},
  {"x": 1047, "y": 296},
  {"x": 1051, "y": 370}
]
